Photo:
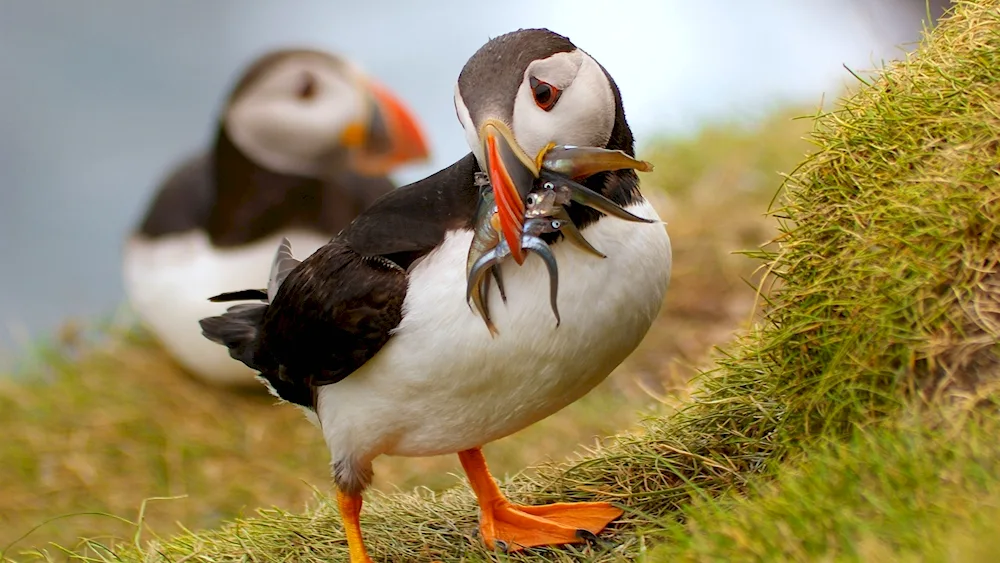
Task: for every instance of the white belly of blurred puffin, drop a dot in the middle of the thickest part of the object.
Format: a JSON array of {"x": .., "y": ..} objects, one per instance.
[
  {"x": 442, "y": 384},
  {"x": 168, "y": 281}
]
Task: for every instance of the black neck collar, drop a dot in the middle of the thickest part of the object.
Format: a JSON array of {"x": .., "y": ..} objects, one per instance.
[{"x": 252, "y": 202}]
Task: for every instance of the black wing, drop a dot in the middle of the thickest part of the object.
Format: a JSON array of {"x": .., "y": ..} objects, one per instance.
[
  {"x": 410, "y": 221},
  {"x": 337, "y": 309},
  {"x": 360, "y": 190},
  {"x": 330, "y": 316}
]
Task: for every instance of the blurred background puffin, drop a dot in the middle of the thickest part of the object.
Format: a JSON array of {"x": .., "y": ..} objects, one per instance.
[{"x": 305, "y": 142}]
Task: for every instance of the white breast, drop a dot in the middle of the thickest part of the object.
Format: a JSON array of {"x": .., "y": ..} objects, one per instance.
[
  {"x": 169, "y": 280},
  {"x": 442, "y": 384}
]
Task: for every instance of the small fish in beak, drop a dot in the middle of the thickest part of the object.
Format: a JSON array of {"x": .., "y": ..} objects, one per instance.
[
  {"x": 578, "y": 193},
  {"x": 504, "y": 212},
  {"x": 578, "y": 163},
  {"x": 550, "y": 203},
  {"x": 486, "y": 238},
  {"x": 491, "y": 260}
]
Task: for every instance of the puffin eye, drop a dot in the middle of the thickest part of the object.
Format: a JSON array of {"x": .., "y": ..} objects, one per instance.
[
  {"x": 307, "y": 88},
  {"x": 545, "y": 94}
]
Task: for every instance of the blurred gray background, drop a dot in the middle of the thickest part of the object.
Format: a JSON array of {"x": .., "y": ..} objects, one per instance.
[{"x": 100, "y": 98}]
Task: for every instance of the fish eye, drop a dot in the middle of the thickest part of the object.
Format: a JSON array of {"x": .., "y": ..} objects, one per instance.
[
  {"x": 549, "y": 186},
  {"x": 532, "y": 199}
]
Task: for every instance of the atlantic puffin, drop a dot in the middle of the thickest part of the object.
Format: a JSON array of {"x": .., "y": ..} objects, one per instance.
[
  {"x": 304, "y": 143},
  {"x": 372, "y": 335}
]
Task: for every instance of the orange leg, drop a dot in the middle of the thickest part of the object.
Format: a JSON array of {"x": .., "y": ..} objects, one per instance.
[
  {"x": 350, "y": 510},
  {"x": 519, "y": 527}
]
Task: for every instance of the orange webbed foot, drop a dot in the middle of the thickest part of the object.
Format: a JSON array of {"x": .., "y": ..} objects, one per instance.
[{"x": 513, "y": 527}]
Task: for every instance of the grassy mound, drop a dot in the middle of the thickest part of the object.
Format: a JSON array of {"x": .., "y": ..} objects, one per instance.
[
  {"x": 888, "y": 310},
  {"x": 93, "y": 429},
  {"x": 906, "y": 492}
]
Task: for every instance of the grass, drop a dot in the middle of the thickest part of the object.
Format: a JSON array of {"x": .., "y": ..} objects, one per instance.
[
  {"x": 910, "y": 491},
  {"x": 96, "y": 423},
  {"x": 880, "y": 331}
]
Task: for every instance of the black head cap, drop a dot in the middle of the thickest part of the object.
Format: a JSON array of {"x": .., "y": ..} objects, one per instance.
[{"x": 494, "y": 73}]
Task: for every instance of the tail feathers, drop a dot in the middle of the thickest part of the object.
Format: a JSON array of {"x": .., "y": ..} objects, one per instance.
[
  {"x": 237, "y": 329},
  {"x": 283, "y": 264},
  {"x": 296, "y": 391},
  {"x": 241, "y": 295}
]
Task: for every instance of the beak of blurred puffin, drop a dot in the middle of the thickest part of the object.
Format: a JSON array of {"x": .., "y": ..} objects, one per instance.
[{"x": 390, "y": 136}]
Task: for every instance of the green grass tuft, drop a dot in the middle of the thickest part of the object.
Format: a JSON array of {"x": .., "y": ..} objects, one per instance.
[{"x": 905, "y": 492}]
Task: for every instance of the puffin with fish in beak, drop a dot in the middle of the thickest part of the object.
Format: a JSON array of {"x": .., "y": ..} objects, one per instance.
[
  {"x": 304, "y": 144},
  {"x": 372, "y": 336}
]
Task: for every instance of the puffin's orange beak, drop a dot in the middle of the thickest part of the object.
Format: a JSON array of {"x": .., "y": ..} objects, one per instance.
[
  {"x": 512, "y": 174},
  {"x": 389, "y": 138}
]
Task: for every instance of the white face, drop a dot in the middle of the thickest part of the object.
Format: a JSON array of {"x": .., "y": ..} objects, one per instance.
[
  {"x": 582, "y": 115},
  {"x": 291, "y": 119}
]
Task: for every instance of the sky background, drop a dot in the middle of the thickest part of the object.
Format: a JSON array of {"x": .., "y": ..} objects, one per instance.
[{"x": 99, "y": 99}]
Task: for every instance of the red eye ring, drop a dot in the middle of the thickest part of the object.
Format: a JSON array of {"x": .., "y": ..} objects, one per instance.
[{"x": 545, "y": 94}]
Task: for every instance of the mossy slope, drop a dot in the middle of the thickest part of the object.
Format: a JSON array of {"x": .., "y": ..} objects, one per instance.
[{"x": 906, "y": 492}]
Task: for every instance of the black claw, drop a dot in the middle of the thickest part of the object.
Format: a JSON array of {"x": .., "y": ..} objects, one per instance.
[{"x": 587, "y": 536}]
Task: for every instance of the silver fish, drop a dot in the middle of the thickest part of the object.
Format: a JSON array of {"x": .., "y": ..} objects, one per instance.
[
  {"x": 531, "y": 241},
  {"x": 551, "y": 203},
  {"x": 485, "y": 238},
  {"x": 578, "y": 193},
  {"x": 545, "y": 212},
  {"x": 580, "y": 162}
]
